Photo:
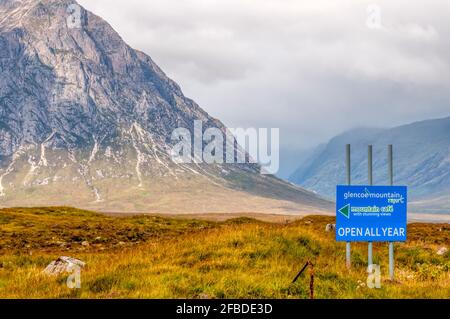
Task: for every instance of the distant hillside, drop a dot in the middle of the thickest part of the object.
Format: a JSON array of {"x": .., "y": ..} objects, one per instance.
[{"x": 421, "y": 161}]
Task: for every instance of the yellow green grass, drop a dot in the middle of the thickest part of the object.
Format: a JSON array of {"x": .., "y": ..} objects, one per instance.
[{"x": 154, "y": 257}]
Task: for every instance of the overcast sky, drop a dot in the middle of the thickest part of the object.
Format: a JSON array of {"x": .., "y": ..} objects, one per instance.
[{"x": 312, "y": 68}]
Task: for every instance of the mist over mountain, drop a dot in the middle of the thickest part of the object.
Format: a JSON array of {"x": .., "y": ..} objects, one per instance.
[
  {"x": 85, "y": 120},
  {"x": 421, "y": 161}
]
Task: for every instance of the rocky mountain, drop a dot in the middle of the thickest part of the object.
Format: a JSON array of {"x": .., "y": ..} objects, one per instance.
[
  {"x": 85, "y": 120},
  {"x": 421, "y": 161}
]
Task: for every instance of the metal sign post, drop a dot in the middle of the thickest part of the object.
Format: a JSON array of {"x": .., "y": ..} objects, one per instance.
[
  {"x": 369, "y": 167},
  {"x": 391, "y": 182},
  {"x": 347, "y": 246},
  {"x": 368, "y": 213}
]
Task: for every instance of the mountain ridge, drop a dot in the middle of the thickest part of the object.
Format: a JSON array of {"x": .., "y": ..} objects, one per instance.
[{"x": 86, "y": 121}]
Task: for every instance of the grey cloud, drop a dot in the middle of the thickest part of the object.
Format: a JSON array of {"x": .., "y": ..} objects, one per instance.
[{"x": 311, "y": 68}]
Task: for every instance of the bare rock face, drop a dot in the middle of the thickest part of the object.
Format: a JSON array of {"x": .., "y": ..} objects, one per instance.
[{"x": 86, "y": 121}]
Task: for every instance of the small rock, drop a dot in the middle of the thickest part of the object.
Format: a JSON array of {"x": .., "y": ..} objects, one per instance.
[
  {"x": 61, "y": 243},
  {"x": 63, "y": 264},
  {"x": 85, "y": 243},
  {"x": 121, "y": 243},
  {"x": 307, "y": 222},
  {"x": 330, "y": 227},
  {"x": 442, "y": 251}
]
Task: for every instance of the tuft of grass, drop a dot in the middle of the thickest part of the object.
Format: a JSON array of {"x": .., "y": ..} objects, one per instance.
[{"x": 103, "y": 284}]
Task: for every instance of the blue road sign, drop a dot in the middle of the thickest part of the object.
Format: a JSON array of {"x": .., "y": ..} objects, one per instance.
[{"x": 371, "y": 213}]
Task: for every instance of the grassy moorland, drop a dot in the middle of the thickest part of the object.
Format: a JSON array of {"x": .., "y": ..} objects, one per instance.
[{"x": 155, "y": 257}]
